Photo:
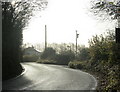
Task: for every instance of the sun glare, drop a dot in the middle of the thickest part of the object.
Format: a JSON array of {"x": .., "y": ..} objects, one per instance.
[
  {"x": 13, "y": 2},
  {"x": 62, "y": 20}
]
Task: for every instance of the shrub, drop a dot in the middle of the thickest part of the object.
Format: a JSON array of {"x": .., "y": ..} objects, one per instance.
[
  {"x": 105, "y": 56},
  {"x": 64, "y": 58},
  {"x": 30, "y": 58},
  {"x": 48, "y": 53},
  {"x": 45, "y": 61},
  {"x": 76, "y": 65},
  {"x": 83, "y": 54}
]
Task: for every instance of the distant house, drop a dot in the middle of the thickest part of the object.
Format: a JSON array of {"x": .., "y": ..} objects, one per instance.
[
  {"x": 31, "y": 54},
  {"x": 31, "y": 51}
]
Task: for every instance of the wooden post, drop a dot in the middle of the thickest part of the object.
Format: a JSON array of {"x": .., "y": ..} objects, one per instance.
[
  {"x": 45, "y": 37},
  {"x": 117, "y": 35}
]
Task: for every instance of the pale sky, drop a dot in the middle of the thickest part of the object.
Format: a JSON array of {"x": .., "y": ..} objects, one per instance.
[{"x": 63, "y": 18}]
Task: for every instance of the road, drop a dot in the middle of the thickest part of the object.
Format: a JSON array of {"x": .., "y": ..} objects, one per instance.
[{"x": 50, "y": 77}]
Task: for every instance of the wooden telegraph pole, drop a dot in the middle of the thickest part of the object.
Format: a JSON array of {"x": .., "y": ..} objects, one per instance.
[
  {"x": 45, "y": 37},
  {"x": 77, "y": 35}
]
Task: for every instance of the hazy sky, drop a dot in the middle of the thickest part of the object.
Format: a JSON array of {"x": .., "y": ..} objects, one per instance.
[{"x": 63, "y": 18}]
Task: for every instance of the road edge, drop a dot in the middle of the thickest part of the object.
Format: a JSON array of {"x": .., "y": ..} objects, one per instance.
[
  {"x": 94, "y": 78},
  {"x": 21, "y": 74},
  {"x": 96, "y": 81}
]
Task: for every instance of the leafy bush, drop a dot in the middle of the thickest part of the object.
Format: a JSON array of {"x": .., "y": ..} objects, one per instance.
[
  {"x": 48, "y": 53},
  {"x": 30, "y": 58},
  {"x": 43, "y": 61},
  {"x": 76, "y": 65},
  {"x": 83, "y": 54},
  {"x": 64, "y": 58},
  {"x": 105, "y": 57},
  {"x": 113, "y": 78},
  {"x": 104, "y": 60}
]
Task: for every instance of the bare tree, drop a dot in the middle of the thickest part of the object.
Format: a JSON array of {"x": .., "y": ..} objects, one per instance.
[{"x": 106, "y": 8}]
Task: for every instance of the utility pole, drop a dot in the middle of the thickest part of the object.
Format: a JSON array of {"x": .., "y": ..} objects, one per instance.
[
  {"x": 117, "y": 30},
  {"x": 45, "y": 37},
  {"x": 77, "y": 35}
]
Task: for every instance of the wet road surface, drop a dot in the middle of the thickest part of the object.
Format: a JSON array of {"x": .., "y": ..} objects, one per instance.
[{"x": 50, "y": 77}]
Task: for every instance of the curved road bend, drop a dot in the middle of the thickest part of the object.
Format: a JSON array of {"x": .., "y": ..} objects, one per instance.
[{"x": 51, "y": 77}]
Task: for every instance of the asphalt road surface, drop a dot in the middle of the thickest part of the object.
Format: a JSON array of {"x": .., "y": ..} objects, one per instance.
[{"x": 50, "y": 77}]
